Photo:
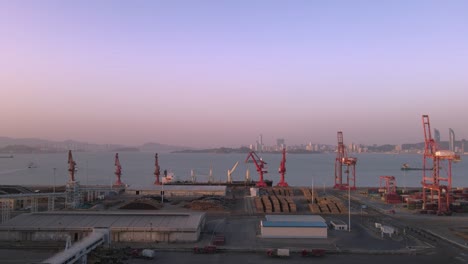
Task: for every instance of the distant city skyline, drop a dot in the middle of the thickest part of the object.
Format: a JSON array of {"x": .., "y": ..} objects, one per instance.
[{"x": 219, "y": 73}]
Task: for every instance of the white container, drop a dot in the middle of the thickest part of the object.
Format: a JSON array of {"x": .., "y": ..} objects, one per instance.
[
  {"x": 254, "y": 192},
  {"x": 282, "y": 252}
]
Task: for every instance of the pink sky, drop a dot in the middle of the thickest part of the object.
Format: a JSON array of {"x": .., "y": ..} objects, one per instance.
[{"x": 215, "y": 74}]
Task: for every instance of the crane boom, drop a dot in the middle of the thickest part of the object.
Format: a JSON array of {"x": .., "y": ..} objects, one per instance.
[
  {"x": 229, "y": 172},
  {"x": 282, "y": 170},
  {"x": 157, "y": 169},
  {"x": 118, "y": 170},
  {"x": 71, "y": 166},
  {"x": 260, "y": 165}
]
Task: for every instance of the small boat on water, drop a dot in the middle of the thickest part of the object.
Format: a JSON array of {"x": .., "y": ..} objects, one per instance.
[
  {"x": 7, "y": 157},
  {"x": 406, "y": 167},
  {"x": 32, "y": 165}
]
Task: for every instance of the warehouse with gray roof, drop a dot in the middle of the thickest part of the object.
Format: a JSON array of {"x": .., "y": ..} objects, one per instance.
[{"x": 123, "y": 226}]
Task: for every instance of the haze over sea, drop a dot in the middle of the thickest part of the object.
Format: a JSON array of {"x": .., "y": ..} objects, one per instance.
[{"x": 138, "y": 168}]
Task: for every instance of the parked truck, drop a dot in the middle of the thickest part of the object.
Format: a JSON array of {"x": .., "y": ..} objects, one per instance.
[{"x": 278, "y": 252}]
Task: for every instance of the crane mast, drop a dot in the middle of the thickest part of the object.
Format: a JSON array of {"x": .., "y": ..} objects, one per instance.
[
  {"x": 437, "y": 188},
  {"x": 282, "y": 170},
  {"x": 118, "y": 170},
  {"x": 157, "y": 170},
  {"x": 71, "y": 166},
  {"x": 260, "y": 165},
  {"x": 343, "y": 161}
]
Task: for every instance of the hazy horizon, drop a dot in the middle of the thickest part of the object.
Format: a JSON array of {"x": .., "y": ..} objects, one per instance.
[{"x": 219, "y": 73}]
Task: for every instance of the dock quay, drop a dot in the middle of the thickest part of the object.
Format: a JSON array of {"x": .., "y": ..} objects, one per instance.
[{"x": 233, "y": 213}]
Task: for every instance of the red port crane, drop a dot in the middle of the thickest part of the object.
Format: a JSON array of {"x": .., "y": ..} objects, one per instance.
[
  {"x": 71, "y": 166},
  {"x": 282, "y": 170},
  {"x": 391, "y": 196},
  {"x": 260, "y": 165},
  {"x": 118, "y": 170},
  {"x": 390, "y": 184},
  {"x": 342, "y": 160},
  {"x": 157, "y": 169},
  {"x": 436, "y": 187}
]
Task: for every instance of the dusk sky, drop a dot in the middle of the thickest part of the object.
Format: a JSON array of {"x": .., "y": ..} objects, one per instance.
[{"x": 219, "y": 73}]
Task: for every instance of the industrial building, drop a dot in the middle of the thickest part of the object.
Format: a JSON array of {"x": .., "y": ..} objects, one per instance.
[
  {"x": 178, "y": 190},
  {"x": 123, "y": 227},
  {"x": 293, "y": 226},
  {"x": 338, "y": 225}
]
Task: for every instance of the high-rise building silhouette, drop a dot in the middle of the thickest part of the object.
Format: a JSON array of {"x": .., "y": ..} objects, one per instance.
[
  {"x": 451, "y": 140},
  {"x": 437, "y": 135},
  {"x": 280, "y": 144}
]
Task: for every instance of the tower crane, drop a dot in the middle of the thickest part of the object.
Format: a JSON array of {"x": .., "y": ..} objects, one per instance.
[
  {"x": 71, "y": 166},
  {"x": 260, "y": 165},
  {"x": 230, "y": 172},
  {"x": 435, "y": 160},
  {"x": 118, "y": 170},
  {"x": 342, "y": 160},
  {"x": 282, "y": 170},
  {"x": 157, "y": 170}
]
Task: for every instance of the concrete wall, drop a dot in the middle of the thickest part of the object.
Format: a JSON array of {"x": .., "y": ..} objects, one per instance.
[
  {"x": 38, "y": 235},
  {"x": 294, "y": 232},
  {"x": 175, "y": 193},
  {"x": 116, "y": 236}
]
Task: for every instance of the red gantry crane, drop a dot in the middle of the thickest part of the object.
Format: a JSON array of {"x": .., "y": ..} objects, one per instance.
[
  {"x": 342, "y": 160},
  {"x": 436, "y": 187},
  {"x": 282, "y": 170},
  {"x": 71, "y": 166},
  {"x": 157, "y": 169},
  {"x": 390, "y": 184},
  {"x": 118, "y": 170},
  {"x": 391, "y": 196},
  {"x": 260, "y": 165}
]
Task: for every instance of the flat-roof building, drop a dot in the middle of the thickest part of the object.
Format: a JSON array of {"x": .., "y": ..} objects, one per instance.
[{"x": 293, "y": 226}]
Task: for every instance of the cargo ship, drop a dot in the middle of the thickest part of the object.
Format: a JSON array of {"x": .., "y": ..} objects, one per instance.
[{"x": 406, "y": 167}]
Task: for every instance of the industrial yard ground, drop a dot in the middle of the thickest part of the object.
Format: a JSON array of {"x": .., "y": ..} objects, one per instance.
[{"x": 419, "y": 238}]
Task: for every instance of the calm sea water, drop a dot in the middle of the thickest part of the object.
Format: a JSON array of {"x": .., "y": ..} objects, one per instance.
[{"x": 138, "y": 168}]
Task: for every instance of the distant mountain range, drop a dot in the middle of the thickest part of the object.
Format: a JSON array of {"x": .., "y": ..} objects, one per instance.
[{"x": 29, "y": 145}]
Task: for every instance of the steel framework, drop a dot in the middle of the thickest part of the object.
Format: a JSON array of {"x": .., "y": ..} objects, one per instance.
[
  {"x": 390, "y": 184},
  {"x": 282, "y": 170},
  {"x": 260, "y": 165},
  {"x": 342, "y": 160},
  {"x": 71, "y": 166},
  {"x": 437, "y": 188},
  {"x": 118, "y": 170},
  {"x": 157, "y": 170}
]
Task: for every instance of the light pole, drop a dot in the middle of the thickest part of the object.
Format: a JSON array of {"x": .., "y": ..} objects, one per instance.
[
  {"x": 162, "y": 193},
  {"x": 349, "y": 208},
  {"x": 54, "y": 181}
]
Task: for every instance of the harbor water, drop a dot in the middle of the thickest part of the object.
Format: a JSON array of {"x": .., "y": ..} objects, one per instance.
[{"x": 138, "y": 168}]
